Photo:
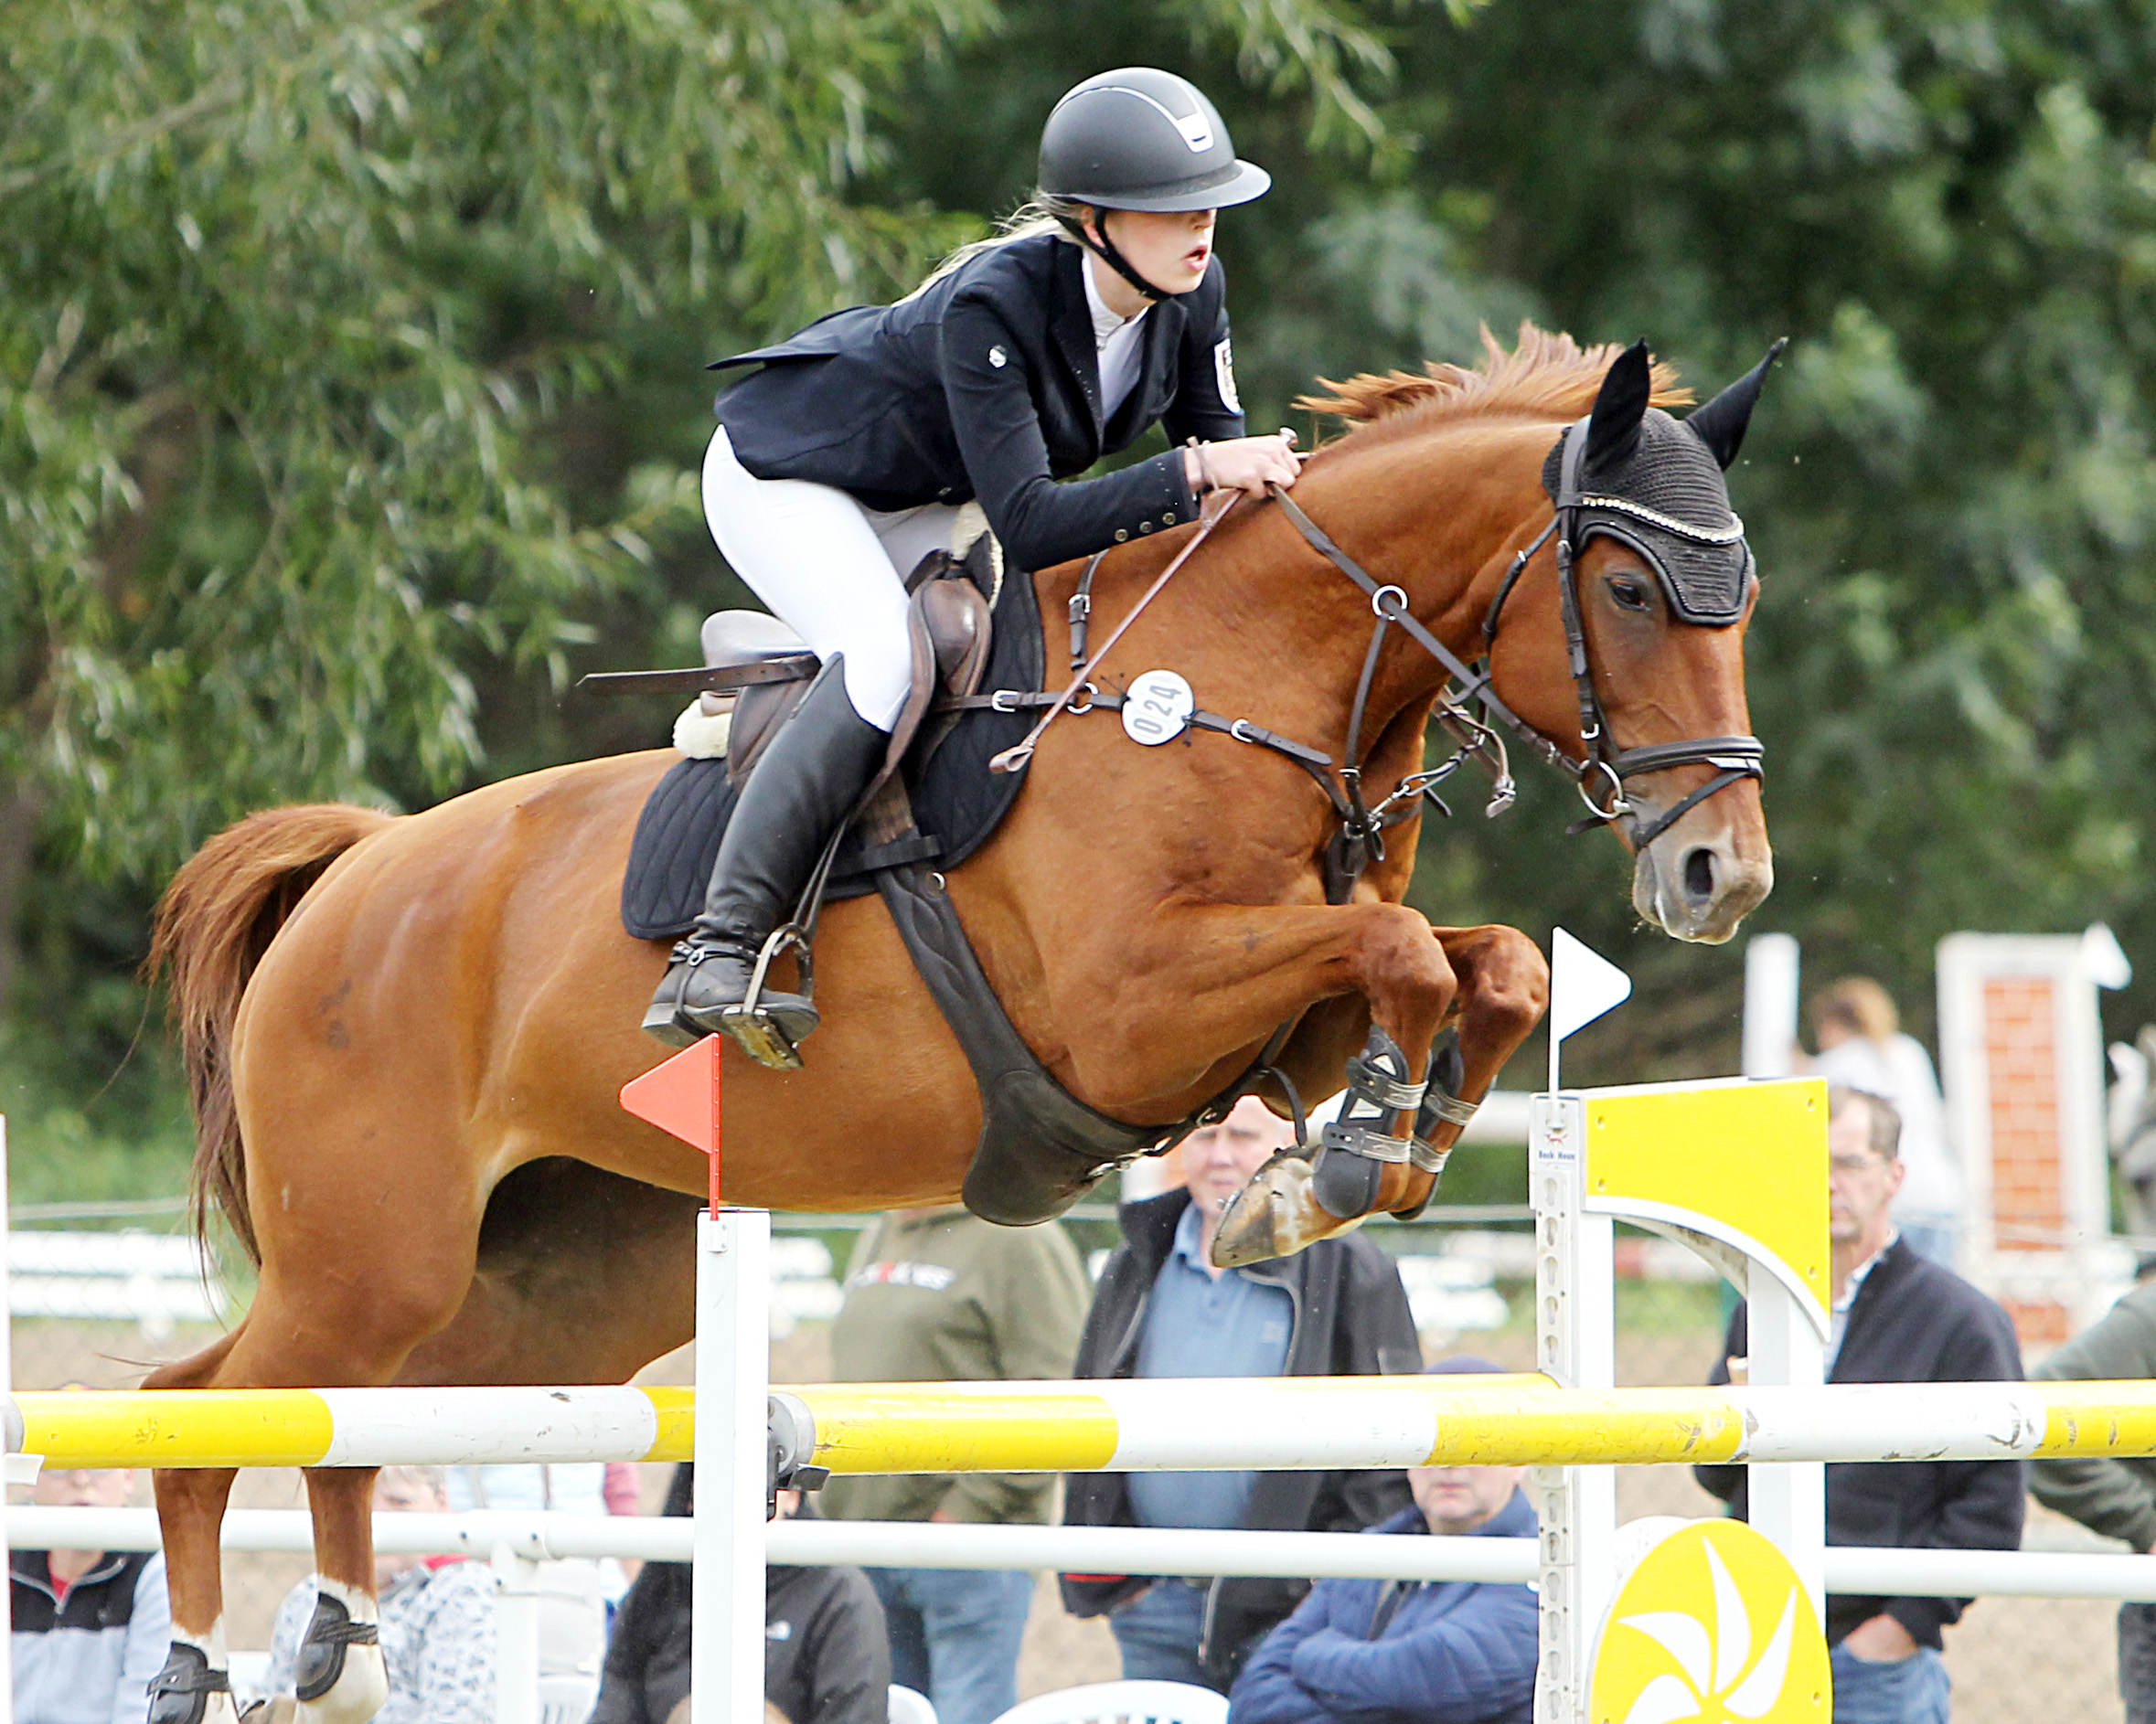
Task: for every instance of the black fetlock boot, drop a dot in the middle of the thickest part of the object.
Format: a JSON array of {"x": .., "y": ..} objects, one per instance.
[{"x": 807, "y": 782}]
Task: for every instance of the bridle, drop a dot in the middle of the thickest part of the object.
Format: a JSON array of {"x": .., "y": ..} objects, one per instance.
[
  {"x": 1469, "y": 707},
  {"x": 1602, "y": 763}
]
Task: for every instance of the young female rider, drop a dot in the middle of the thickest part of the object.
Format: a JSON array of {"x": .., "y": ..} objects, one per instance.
[{"x": 842, "y": 462}]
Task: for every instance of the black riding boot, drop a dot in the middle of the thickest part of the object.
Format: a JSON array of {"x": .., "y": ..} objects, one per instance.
[{"x": 807, "y": 782}]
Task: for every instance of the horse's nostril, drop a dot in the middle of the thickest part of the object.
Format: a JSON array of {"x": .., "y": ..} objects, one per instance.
[{"x": 1699, "y": 873}]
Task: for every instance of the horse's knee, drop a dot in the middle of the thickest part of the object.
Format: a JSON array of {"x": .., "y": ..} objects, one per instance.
[{"x": 1511, "y": 983}]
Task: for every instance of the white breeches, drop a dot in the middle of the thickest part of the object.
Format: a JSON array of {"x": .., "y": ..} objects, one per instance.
[{"x": 829, "y": 568}]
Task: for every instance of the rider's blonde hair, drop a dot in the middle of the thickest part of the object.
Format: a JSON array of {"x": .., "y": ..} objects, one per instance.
[{"x": 1043, "y": 212}]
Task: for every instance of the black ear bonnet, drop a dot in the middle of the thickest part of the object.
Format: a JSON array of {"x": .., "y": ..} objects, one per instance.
[{"x": 1661, "y": 493}]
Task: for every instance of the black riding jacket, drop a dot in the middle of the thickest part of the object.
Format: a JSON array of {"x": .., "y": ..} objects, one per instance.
[
  {"x": 987, "y": 384},
  {"x": 1351, "y": 1319}
]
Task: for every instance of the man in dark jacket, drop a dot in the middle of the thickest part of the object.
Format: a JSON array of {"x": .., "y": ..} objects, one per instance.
[
  {"x": 1440, "y": 1652},
  {"x": 1898, "y": 1318},
  {"x": 1161, "y": 1310},
  {"x": 824, "y": 1659}
]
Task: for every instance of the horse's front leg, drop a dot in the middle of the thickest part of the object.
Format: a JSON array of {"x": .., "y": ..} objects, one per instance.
[
  {"x": 1221, "y": 975},
  {"x": 1504, "y": 990},
  {"x": 1295, "y": 1199},
  {"x": 1217, "y": 977}
]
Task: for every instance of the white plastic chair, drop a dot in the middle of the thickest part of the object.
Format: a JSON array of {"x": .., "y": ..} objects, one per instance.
[
  {"x": 567, "y": 1699},
  {"x": 1122, "y": 1703},
  {"x": 909, "y": 1706}
]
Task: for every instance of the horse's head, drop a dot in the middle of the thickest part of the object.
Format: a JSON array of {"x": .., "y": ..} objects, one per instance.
[{"x": 1622, "y": 642}]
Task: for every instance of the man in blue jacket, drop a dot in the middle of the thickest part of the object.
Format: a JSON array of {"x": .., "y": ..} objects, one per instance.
[{"x": 1444, "y": 1652}]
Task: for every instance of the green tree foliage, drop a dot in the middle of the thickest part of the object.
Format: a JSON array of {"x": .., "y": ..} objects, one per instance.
[
  {"x": 349, "y": 384},
  {"x": 1950, "y": 206},
  {"x": 350, "y": 388}
]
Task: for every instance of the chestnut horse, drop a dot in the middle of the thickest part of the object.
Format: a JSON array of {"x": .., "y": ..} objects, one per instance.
[{"x": 407, "y": 1034}]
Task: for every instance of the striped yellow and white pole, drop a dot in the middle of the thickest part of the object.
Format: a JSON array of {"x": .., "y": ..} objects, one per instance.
[
  {"x": 353, "y": 1427},
  {"x": 1158, "y": 1425}
]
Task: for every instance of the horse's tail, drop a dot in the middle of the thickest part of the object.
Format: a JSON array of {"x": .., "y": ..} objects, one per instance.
[{"x": 214, "y": 922}]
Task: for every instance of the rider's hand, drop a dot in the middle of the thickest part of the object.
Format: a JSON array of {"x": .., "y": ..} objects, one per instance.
[{"x": 1246, "y": 464}]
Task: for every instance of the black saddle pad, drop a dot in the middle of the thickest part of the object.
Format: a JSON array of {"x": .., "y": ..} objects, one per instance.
[{"x": 957, "y": 802}]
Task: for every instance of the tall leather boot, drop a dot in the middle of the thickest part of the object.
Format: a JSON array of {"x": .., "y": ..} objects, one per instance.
[{"x": 807, "y": 782}]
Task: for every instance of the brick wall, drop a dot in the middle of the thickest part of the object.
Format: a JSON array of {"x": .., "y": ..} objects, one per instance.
[{"x": 2028, "y": 1175}]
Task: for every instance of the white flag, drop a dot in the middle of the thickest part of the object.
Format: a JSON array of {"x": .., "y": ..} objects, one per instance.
[{"x": 1583, "y": 984}]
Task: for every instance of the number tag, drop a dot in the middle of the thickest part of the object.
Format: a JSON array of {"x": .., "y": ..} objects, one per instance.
[{"x": 1158, "y": 708}]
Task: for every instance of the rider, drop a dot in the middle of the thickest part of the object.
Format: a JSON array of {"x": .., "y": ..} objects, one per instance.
[{"x": 1099, "y": 312}]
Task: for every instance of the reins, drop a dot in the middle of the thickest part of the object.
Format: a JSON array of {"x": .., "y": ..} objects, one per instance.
[{"x": 1018, "y": 753}]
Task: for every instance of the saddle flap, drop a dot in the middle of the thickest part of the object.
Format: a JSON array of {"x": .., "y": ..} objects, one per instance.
[
  {"x": 956, "y": 614},
  {"x": 747, "y": 637},
  {"x": 757, "y": 715}
]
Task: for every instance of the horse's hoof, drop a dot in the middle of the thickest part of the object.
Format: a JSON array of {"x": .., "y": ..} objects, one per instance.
[
  {"x": 1276, "y": 1215},
  {"x": 357, "y": 1694}
]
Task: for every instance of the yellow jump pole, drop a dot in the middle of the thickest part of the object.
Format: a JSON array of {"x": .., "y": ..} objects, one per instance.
[{"x": 1121, "y": 1425}]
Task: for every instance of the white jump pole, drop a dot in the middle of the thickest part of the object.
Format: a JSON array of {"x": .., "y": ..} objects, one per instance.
[
  {"x": 1578, "y": 1197},
  {"x": 1576, "y": 1330},
  {"x": 733, "y": 1365},
  {"x": 732, "y": 1383},
  {"x": 1575, "y": 1324}
]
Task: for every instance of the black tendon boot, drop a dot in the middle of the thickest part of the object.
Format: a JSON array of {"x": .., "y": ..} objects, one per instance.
[{"x": 806, "y": 783}]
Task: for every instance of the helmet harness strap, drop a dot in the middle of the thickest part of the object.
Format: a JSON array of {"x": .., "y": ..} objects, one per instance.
[{"x": 1105, "y": 250}]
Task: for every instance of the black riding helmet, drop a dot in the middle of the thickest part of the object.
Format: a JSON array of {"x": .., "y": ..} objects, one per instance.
[{"x": 1142, "y": 139}]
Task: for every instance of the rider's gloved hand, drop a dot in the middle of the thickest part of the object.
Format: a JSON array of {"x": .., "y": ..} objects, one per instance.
[{"x": 1246, "y": 464}]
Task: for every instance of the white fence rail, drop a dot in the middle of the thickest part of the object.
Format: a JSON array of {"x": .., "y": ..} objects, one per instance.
[{"x": 1079, "y": 1549}]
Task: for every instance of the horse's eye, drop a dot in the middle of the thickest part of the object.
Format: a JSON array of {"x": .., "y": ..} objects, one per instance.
[{"x": 1629, "y": 593}]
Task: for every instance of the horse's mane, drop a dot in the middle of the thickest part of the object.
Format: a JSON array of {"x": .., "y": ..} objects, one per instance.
[{"x": 1546, "y": 376}]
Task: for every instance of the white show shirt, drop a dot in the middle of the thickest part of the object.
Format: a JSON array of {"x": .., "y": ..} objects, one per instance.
[{"x": 1116, "y": 341}]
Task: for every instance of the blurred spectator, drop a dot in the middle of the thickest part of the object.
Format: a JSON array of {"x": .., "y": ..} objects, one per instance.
[
  {"x": 2131, "y": 1107},
  {"x": 1412, "y": 1652},
  {"x": 939, "y": 1295},
  {"x": 1861, "y": 1046},
  {"x": 437, "y": 1620},
  {"x": 91, "y": 1627},
  {"x": 1898, "y": 1318},
  {"x": 1163, "y": 1310},
  {"x": 824, "y": 1658},
  {"x": 2117, "y": 1499}
]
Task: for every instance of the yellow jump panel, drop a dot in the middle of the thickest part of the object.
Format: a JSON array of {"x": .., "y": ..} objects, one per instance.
[{"x": 1749, "y": 1160}]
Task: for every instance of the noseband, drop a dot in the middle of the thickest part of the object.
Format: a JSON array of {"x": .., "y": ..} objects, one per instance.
[{"x": 1602, "y": 766}]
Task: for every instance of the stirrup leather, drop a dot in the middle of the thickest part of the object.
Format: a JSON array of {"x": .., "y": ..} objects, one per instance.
[{"x": 179, "y": 1694}]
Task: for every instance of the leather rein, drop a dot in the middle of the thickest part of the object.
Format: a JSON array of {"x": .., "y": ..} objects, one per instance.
[{"x": 1359, "y": 839}]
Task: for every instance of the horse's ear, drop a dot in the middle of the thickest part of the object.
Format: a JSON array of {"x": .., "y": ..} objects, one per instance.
[
  {"x": 1720, "y": 424},
  {"x": 1620, "y": 406}
]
